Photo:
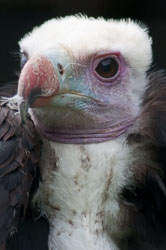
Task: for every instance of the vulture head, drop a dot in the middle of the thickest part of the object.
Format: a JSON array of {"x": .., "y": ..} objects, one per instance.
[
  {"x": 84, "y": 78},
  {"x": 84, "y": 82}
]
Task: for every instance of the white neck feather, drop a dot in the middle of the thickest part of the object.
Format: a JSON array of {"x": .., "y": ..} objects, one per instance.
[{"x": 79, "y": 193}]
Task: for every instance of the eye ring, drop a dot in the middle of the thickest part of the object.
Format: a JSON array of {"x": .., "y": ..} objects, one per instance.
[
  {"x": 114, "y": 57},
  {"x": 24, "y": 59}
]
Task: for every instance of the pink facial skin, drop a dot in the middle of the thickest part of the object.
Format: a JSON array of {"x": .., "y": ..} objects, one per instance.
[{"x": 109, "y": 91}]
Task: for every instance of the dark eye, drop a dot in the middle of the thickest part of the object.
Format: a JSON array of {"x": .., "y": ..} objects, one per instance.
[
  {"x": 24, "y": 59},
  {"x": 107, "y": 68}
]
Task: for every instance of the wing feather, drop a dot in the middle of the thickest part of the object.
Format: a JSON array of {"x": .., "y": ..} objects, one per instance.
[
  {"x": 145, "y": 199},
  {"x": 19, "y": 156}
]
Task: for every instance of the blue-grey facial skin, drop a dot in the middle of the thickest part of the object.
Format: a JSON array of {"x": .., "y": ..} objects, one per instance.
[{"x": 84, "y": 102}]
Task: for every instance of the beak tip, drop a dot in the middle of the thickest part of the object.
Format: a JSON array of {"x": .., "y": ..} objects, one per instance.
[{"x": 23, "y": 111}]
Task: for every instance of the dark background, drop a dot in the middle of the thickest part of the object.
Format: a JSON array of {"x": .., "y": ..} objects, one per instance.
[{"x": 19, "y": 16}]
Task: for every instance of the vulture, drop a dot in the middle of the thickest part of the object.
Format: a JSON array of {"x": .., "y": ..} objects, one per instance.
[{"x": 83, "y": 140}]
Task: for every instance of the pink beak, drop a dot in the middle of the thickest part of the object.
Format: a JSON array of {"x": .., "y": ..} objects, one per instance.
[{"x": 38, "y": 82}]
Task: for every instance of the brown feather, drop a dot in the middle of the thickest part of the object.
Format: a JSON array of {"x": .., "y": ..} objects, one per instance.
[
  {"x": 144, "y": 201},
  {"x": 20, "y": 153}
]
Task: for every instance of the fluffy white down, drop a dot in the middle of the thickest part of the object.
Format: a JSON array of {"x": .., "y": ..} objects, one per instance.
[{"x": 83, "y": 35}]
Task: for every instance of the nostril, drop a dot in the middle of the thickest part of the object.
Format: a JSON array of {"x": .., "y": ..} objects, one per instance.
[{"x": 60, "y": 68}]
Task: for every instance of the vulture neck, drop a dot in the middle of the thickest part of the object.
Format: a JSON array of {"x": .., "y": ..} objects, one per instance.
[{"x": 79, "y": 193}]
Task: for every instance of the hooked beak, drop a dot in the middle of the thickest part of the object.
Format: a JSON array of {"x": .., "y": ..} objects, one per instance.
[
  {"x": 38, "y": 83},
  {"x": 23, "y": 110}
]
